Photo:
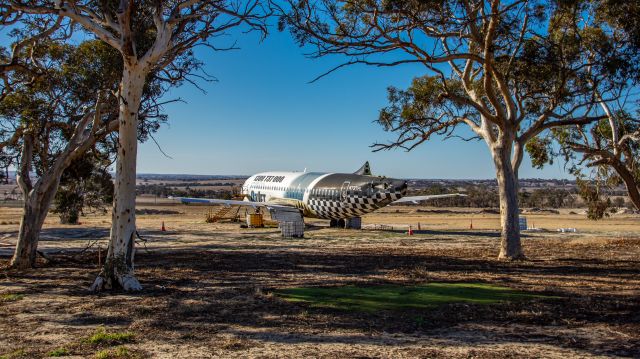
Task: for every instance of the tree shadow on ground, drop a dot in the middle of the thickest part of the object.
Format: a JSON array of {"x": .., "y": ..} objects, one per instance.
[{"x": 203, "y": 289}]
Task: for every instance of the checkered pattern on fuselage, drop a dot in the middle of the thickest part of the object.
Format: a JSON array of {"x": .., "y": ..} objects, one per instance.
[{"x": 354, "y": 205}]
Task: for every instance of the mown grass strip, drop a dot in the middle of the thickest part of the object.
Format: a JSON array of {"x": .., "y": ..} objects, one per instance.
[{"x": 397, "y": 297}]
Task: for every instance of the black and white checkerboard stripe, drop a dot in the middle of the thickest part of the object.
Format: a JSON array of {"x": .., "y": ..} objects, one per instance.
[{"x": 352, "y": 206}]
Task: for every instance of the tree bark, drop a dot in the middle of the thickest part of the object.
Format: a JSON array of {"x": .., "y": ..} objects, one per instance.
[
  {"x": 35, "y": 210},
  {"x": 119, "y": 268},
  {"x": 510, "y": 247},
  {"x": 632, "y": 186}
]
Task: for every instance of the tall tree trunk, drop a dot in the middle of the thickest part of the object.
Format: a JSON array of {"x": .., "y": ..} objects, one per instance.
[
  {"x": 119, "y": 268},
  {"x": 510, "y": 247},
  {"x": 36, "y": 208}
]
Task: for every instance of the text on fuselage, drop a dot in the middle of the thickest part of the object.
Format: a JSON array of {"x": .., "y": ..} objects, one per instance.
[{"x": 273, "y": 179}]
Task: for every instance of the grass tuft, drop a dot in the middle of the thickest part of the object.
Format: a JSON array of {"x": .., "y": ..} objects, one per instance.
[
  {"x": 101, "y": 337},
  {"x": 117, "y": 353},
  {"x": 59, "y": 352},
  {"x": 10, "y": 297},
  {"x": 397, "y": 297},
  {"x": 20, "y": 353}
]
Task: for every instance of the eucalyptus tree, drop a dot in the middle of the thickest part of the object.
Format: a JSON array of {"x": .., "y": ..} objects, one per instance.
[
  {"x": 151, "y": 37},
  {"x": 609, "y": 151},
  {"x": 609, "y": 148},
  {"x": 18, "y": 57},
  {"x": 503, "y": 71},
  {"x": 52, "y": 121}
]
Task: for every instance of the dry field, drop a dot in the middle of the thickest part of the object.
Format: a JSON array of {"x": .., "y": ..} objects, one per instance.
[{"x": 209, "y": 290}]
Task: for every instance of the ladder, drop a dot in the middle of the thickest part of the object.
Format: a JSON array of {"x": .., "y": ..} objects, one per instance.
[
  {"x": 222, "y": 213},
  {"x": 213, "y": 217}
]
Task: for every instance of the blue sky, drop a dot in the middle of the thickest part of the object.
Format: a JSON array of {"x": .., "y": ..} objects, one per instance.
[{"x": 262, "y": 115}]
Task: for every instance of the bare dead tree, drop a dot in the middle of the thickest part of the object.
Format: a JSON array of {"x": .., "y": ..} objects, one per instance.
[{"x": 505, "y": 70}]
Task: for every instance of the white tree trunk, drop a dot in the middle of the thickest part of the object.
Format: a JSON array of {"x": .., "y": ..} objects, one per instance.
[
  {"x": 510, "y": 247},
  {"x": 119, "y": 268}
]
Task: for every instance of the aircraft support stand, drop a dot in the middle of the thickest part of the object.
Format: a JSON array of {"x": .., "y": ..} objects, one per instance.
[{"x": 353, "y": 223}]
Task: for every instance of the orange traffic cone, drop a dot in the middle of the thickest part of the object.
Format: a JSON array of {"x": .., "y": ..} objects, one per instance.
[
  {"x": 163, "y": 229},
  {"x": 471, "y": 225}
]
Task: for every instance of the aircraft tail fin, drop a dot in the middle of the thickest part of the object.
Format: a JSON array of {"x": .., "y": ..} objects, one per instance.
[{"x": 364, "y": 170}]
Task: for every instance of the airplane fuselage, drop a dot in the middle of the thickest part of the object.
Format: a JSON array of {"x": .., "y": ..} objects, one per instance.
[{"x": 325, "y": 195}]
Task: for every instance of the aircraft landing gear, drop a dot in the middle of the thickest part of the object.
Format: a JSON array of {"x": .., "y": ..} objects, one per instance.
[{"x": 349, "y": 223}]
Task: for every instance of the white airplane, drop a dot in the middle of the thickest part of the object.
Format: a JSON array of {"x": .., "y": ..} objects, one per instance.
[{"x": 289, "y": 196}]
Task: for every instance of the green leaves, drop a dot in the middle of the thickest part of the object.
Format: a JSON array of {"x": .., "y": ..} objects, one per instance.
[
  {"x": 85, "y": 186},
  {"x": 596, "y": 206},
  {"x": 539, "y": 150}
]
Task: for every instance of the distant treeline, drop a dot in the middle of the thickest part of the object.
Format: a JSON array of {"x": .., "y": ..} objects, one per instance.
[
  {"x": 478, "y": 196},
  {"x": 487, "y": 197},
  {"x": 181, "y": 177},
  {"x": 198, "y": 184},
  {"x": 162, "y": 190}
]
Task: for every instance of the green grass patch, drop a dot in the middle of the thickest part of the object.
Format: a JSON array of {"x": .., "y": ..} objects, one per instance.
[
  {"x": 59, "y": 352},
  {"x": 397, "y": 297},
  {"x": 10, "y": 297},
  {"x": 117, "y": 353},
  {"x": 20, "y": 353},
  {"x": 101, "y": 337}
]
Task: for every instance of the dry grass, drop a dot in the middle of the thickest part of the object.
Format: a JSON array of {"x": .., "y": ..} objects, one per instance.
[{"x": 209, "y": 290}]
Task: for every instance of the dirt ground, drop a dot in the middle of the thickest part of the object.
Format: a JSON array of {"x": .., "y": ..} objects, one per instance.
[{"x": 208, "y": 289}]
